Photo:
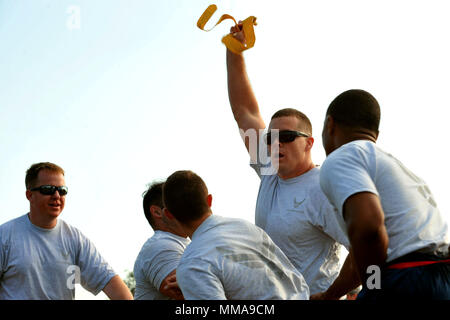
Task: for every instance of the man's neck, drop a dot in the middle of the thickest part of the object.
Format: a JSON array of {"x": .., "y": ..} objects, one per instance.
[
  {"x": 176, "y": 231},
  {"x": 193, "y": 226},
  {"x": 42, "y": 223},
  {"x": 358, "y": 134},
  {"x": 297, "y": 173}
]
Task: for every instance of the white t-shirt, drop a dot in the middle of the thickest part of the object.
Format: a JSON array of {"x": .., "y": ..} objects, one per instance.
[
  {"x": 234, "y": 259},
  {"x": 296, "y": 214},
  {"x": 158, "y": 257},
  {"x": 44, "y": 264},
  {"x": 412, "y": 218}
]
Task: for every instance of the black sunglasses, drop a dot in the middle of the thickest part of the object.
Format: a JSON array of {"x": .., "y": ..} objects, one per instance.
[
  {"x": 285, "y": 136},
  {"x": 50, "y": 190}
]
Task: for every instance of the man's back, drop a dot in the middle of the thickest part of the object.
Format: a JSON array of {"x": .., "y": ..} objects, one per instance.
[
  {"x": 413, "y": 221},
  {"x": 233, "y": 259}
]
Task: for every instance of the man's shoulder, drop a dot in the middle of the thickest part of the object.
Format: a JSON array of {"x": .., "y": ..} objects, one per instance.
[
  {"x": 161, "y": 241},
  {"x": 357, "y": 147},
  {"x": 13, "y": 223}
]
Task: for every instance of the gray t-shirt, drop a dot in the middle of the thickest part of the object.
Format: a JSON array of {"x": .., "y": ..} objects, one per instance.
[
  {"x": 412, "y": 219},
  {"x": 296, "y": 214},
  {"x": 158, "y": 257},
  {"x": 234, "y": 259},
  {"x": 45, "y": 264}
]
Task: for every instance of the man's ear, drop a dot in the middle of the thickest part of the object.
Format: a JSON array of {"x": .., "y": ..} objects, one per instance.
[
  {"x": 28, "y": 194},
  {"x": 330, "y": 125},
  {"x": 309, "y": 143},
  {"x": 209, "y": 200},
  {"x": 156, "y": 211}
]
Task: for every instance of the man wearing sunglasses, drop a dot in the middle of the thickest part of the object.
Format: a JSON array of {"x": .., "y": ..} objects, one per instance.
[
  {"x": 42, "y": 257},
  {"x": 290, "y": 207}
]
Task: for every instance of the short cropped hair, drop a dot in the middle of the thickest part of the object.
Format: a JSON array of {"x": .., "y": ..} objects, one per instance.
[
  {"x": 356, "y": 109},
  {"x": 152, "y": 197},
  {"x": 185, "y": 196},
  {"x": 32, "y": 173},
  {"x": 303, "y": 120}
]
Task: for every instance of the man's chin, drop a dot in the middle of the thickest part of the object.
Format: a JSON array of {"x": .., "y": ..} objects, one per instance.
[
  {"x": 54, "y": 213},
  {"x": 282, "y": 170}
]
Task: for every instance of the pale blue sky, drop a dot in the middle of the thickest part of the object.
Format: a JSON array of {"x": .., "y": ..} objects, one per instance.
[{"x": 138, "y": 92}]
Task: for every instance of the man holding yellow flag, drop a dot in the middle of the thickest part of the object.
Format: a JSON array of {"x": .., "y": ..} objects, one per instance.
[{"x": 290, "y": 207}]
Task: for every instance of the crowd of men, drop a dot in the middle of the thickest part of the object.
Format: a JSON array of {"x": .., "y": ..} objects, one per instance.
[{"x": 361, "y": 198}]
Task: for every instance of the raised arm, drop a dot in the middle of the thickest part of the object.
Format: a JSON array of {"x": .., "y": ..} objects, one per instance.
[{"x": 240, "y": 93}]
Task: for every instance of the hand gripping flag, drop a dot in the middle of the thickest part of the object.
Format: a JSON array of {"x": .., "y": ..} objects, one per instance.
[{"x": 231, "y": 42}]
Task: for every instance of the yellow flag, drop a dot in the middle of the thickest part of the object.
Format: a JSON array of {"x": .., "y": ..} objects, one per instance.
[{"x": 231, "y": 42}]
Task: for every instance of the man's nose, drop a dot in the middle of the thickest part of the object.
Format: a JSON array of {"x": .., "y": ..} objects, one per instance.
[{"x": 56, "y": 194}]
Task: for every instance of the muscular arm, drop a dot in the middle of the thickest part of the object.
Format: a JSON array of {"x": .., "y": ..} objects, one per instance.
[
  {"x": 116, "y": 289},
  {"x": 242, "y": 99},
  {"x": 364, "y": 217}
]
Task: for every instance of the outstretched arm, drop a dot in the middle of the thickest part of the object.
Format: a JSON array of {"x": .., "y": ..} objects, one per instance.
[{"x": 240, "y": 93}]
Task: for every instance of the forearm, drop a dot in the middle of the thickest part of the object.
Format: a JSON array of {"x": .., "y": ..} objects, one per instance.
[
  {"x": 369, "y": 248},
  {"x": 116, "y": 289}
]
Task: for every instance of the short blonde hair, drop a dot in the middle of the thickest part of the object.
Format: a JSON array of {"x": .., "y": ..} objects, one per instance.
[
  {"x": 33, "y": 172},
  {"x": 303, "y": 120}
]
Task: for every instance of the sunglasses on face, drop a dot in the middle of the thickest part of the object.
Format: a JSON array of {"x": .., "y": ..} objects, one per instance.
[
  {"x": 285, "y": 136},
  {"x": 50, "y": 190}
]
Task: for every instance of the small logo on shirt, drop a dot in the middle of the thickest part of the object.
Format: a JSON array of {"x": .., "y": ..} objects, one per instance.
[{"x": 297, "y": 204}]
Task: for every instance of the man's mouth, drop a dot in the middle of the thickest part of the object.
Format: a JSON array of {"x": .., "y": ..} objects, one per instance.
[
  {"x": 54, "y": 205},
  {"x": 277, "y": 156}
]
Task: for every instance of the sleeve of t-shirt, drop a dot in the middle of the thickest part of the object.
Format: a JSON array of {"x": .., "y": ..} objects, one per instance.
[
  {"x": 347, "y": 172},
  {"x": 95, "y": 272},
  {"x": 328, "y": 221},
  {"x": 161, "y": 259},
  {"x": 198, "y": 281}
]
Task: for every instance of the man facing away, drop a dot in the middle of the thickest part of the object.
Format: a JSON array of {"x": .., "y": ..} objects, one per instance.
[
  {"x": 227, "y": 258},
  {"x": 155, "y": 266},
  {"x": 396, "y": 231},
  {"x": 41, "y": 256},
  {"x": 290, "y": 207}
]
